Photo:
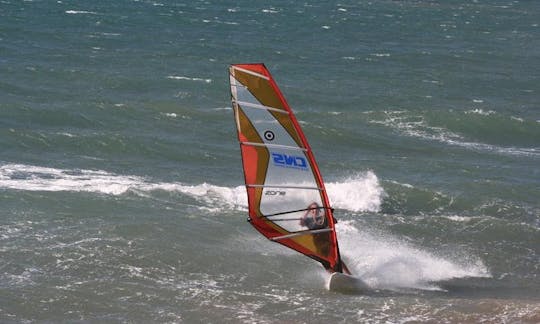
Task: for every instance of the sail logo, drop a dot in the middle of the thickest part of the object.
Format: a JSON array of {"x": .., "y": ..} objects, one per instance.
[{"x": 289, "y": 161}]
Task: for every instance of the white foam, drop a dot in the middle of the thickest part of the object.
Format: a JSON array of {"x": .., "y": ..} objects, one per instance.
[
  {"x": 380, "y": 54},
  {"x": 80, "y": 12},
  {"x": 215, "y": 198},
  {"x": 385, "y": 262},
  {"x": 360, "y": 193},
  {"x": 480, "y": 111},
  {"x": 406, "y": 185},
  {"x": 66, "y": 134},
  {"x": 178, "y": 77},
  {"x": 175, "y": 115},
  {"x": 457, "y": 218},
  {"x": 271, "y": 10},
  {"x": 36, "y": 178}
]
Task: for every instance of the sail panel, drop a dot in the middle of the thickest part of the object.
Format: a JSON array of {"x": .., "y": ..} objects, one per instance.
[
  {"x": 287, "y": 206},
  {"x": 261, "y": 88},
  {"x": 260, "y": 91}
]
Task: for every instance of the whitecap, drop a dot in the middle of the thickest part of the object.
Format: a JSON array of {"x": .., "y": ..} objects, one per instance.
[
  {"x": 380, "y": 54},
  {"x": 406, "y": 185},
  {"x": 480, "y": 112},
  {"x": 457, "y": 218},
  {"x": 175, "y": 77},
  {"x": 359, "y": 193},
  {"x": 66, "y": 134},
  {"x": 80, "y": 12},
  {"x": 36, "y": 178}
]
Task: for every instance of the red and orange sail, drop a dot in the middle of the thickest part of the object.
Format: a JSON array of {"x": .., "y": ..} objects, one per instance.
[{"x": 287, "y": 200}]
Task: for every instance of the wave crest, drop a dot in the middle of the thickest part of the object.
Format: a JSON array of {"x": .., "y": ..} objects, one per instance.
[{"x": 360, "y": 193}]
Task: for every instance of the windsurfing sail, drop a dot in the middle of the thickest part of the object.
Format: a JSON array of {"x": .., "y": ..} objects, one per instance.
[{"x": 286, "y": 196}]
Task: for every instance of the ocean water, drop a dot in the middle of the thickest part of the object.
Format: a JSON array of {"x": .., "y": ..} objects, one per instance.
[{"x": 121, "y": 190}]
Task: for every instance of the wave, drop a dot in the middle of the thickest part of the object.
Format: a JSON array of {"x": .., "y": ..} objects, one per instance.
[
  {"x": 470, "y": 129},
  {"x": 406, "y": 199},
  {"x": 36, "y": 178},
  {"x": 381, "y": 260},
  {"x": 402, "y": 199},
  {"x": 360, "y": 193}
]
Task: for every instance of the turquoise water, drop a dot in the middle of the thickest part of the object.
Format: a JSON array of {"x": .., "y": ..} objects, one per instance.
[{"x": 120, "y": 175}]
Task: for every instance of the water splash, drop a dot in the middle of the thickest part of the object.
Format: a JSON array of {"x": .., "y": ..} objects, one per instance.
[
  {"x": 386, "y": 262},
  {"x": 360, "y": 193}
]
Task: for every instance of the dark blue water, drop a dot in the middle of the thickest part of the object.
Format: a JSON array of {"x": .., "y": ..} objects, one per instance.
[{"x": 120, "y": 177}]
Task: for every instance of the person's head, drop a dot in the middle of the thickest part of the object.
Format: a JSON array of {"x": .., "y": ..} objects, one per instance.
[{"x": 314, "y": 211}]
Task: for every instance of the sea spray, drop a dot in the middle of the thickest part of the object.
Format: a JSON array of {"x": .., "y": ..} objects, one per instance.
[
  {"x": 387, "y": 262},
  {"x": 359, "y": 193}
]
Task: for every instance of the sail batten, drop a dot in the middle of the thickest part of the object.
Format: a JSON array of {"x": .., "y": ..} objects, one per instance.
[
  {"x": 275, "y": 145},
  {"x": 301, "y": 233},
  {"x": 256, "y": 106},
  {"x": 287, "y": 201},
  {"x": 250, "y": 72},
  {"x": 289, "y": 212},
  {"x": 282, "y": 186}
]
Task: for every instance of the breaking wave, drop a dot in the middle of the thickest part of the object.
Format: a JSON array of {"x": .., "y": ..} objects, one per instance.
[{"x": 359, "y": 193}]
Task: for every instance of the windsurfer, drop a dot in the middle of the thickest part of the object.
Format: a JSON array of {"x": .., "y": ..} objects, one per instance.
[{"x": 315, "y": 219}]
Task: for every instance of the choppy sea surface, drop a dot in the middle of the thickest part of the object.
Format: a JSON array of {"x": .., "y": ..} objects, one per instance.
[{"x": 121, "y": 190}]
